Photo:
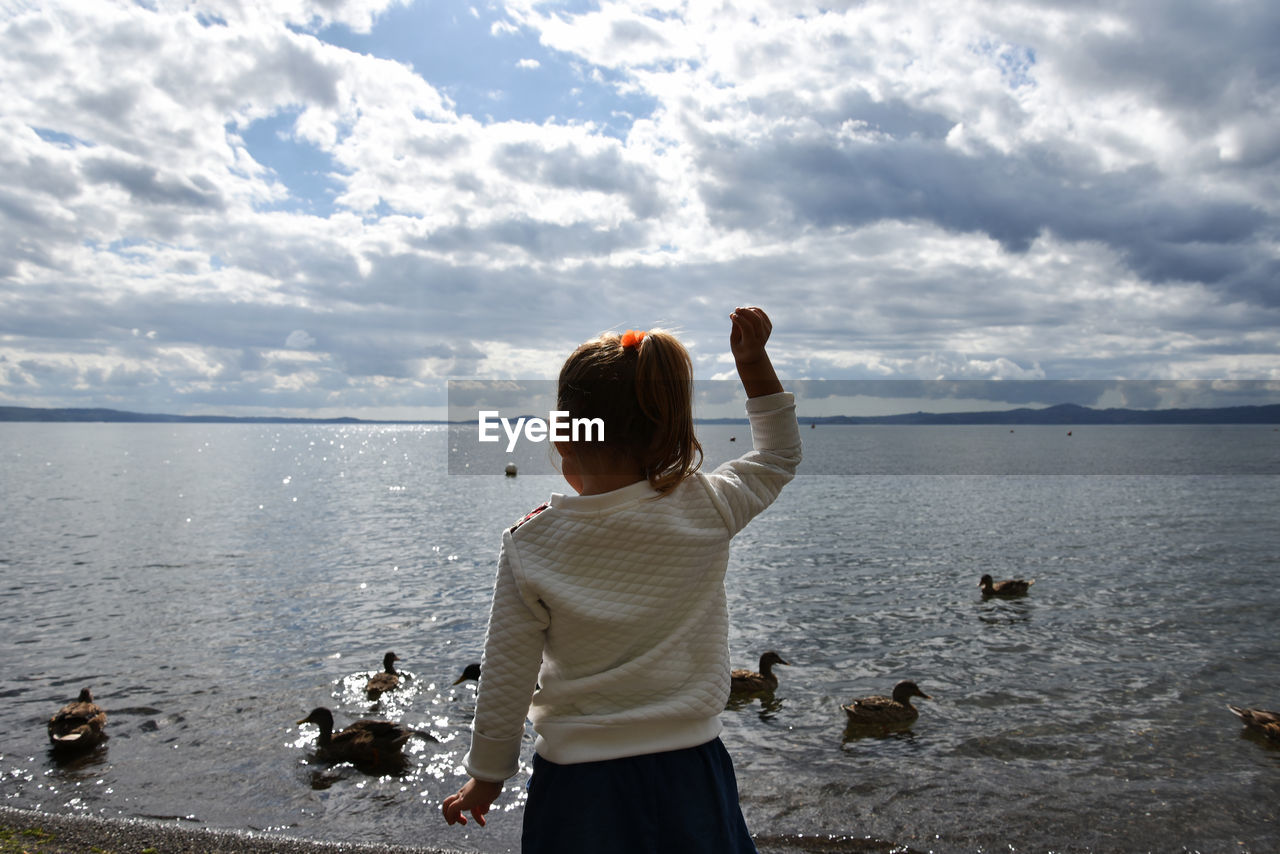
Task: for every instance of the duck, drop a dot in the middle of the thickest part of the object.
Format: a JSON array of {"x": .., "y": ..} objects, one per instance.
[
  {"x": 471, "y": 671},
  {"x": 364, "y": 742},
  {"x": 79, "y": 725},
  {"x": 878, "y": 710},
  {"x": 1259, "y": 720},
  {"x": 1009, "y": 587},
  {"x": 750, "y": 682},
  {"x": 387, "y": 680}
]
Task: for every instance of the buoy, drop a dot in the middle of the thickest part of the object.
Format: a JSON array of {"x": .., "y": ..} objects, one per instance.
[{"x": 511, "y": 469}]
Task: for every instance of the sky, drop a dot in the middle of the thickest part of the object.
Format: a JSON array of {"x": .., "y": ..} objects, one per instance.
[{"x": 333, "y": 208}]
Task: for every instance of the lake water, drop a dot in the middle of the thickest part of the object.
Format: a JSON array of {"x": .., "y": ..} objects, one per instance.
[{"x": 213, "y": 583}]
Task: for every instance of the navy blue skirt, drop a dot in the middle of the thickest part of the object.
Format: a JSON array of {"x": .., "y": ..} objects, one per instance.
[{"x": 680, "y": 800}]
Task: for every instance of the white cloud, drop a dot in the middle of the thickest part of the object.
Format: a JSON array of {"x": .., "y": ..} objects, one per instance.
[
  {"x": 359, "y": 15},
  {"x": 299, "y": 340},
  {"x": 912, "y": 189}
]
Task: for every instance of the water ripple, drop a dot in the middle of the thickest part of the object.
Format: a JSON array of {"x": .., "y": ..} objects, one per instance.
[{"x": 231, "y": 577}]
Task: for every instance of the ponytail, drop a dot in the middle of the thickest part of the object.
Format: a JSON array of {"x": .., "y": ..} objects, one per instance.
[{"x": 664, "y": 392}]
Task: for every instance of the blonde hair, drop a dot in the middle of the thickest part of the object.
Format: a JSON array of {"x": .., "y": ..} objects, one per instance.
[{"x": 644, "y": 395}]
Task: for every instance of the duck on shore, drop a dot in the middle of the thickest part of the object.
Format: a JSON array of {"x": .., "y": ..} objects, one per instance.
[
  {"x": 79, "y": 725},
  {"x": 364, "y": 742},
  {"x": 1008, "y": 587},
  {"x": 1259, "y": 720},
  {"x": 387, "y": 680},
  {"x": 750, "y": 682},
  {"x": 878, "y": 710}
]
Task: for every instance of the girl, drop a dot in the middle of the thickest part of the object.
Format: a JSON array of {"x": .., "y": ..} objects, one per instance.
[{"x": 611, "y": 603}]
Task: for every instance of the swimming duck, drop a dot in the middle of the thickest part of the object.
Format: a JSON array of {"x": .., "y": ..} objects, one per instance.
[
  {"x": 750, "y": 682},
  {"x": 471, "y": 671},
  {"x": 1259, "y": 720},
  {"x": 387, "y": 680},
  {"x": 79, "y": 724},
  {"x": 878, "y": 710},
  {"x": 1010, "y": 587},
  {"x": 364, "y": 742}
]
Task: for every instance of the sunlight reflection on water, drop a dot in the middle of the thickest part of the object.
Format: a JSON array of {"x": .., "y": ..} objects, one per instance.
[{"x": 213, "y": 583}]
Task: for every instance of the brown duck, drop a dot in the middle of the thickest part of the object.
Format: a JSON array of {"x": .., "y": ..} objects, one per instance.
[
  {"x": 1009, "y": 587},
  {"x": 79, "y": 724},
  {"x": 364, "y": 742},
  {"x": 751, "y": 682},
  {"x": 387, "y": 680},
  {"x": 1259, "y": 720},
  {"x": 884, "y": 711}
]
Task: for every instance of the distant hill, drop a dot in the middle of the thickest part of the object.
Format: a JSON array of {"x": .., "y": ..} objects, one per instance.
[
  {"x": 1073, "y": 414},
  {"x": 24, "y": 413},
  {"x": 1061, "y": 414}
]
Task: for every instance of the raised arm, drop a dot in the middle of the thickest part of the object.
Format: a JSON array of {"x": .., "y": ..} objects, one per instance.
[{"x": 747, "y": 337}]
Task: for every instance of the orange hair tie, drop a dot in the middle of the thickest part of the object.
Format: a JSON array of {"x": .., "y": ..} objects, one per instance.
[{"x": 632, "y": 338}]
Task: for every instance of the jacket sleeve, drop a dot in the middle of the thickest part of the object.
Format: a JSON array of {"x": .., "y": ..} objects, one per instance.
[
  {"x": 508, "y": 673},
  {"x": 741, "y": 488}
]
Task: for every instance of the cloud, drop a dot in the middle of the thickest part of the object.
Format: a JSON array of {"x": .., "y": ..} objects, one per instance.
[
  {"x": 913, "y": 190},
  {"x": 145, "y": 184},
  {"x": 359, "y": 15},
  {"x": 299, "y": 340},
  {"x": 604, "y": 170},
  {"x": 795, "y": 182}
]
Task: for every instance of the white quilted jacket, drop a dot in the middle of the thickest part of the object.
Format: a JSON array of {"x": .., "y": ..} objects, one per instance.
[{"x": 614, "y": 605}]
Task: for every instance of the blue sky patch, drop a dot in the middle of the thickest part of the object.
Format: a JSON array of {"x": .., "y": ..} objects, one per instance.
[
  {"x": 63, "y": 140},
  {"x": 306, "y": 171},
  {"x": 1016, "y": 63},
  {"x": 495, "y": 76}
]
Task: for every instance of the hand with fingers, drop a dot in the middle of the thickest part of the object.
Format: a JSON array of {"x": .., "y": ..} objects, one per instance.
[
  {"x": 475, "y": 797},
  {"x": 748, "y": 334}
]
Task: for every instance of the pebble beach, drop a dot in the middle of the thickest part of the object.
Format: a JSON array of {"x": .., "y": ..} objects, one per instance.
[
  {"x": 46, "y": 833},
  {"x": 32, "y": 832}
]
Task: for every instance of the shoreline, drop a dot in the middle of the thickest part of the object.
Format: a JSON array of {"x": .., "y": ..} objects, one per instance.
[
  {"x": 32, "y": 832},
  {"x": 24, "y": 831}
]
